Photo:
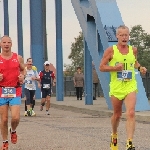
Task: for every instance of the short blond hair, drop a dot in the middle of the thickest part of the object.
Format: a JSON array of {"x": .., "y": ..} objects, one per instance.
[{"x": 121, "y": 27}]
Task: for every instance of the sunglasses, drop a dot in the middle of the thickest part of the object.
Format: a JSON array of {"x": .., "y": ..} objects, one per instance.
[
  {"x": 47, "y": 65},
  {"x": 29, "y": 64}
]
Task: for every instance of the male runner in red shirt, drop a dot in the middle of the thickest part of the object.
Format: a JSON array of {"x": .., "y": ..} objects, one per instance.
[{"x": 11, "y": 77}]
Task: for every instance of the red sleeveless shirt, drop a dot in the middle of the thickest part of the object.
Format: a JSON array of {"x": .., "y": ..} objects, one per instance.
[{"x": 10, "y": 69}]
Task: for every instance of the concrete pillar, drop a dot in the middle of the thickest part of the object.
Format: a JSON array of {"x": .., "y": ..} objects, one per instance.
[
  {"x": 6, "y": 18},
  {"x": 59, "y": 55},
  {"x": 36, "y": 26},
  {"x": 19, "y": 27}
]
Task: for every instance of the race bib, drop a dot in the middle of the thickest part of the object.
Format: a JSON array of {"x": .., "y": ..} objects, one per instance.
[
  {"x": 29, "y": 83},
  {"x": 46, "y": 86},
  {"x": 124, "y": 75},
  {"x": 8, "y": 92}
]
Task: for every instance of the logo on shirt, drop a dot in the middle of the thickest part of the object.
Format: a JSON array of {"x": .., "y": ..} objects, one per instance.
[
  {"x": 1, "y": 61},
  {"x": 131, "y": 64},
  {"x": 15, "y": 60}
]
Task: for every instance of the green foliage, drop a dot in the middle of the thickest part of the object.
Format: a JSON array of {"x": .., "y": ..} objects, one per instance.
[
  {"x": 140, "y": 39},
  {"x": 76, "y": 56}
]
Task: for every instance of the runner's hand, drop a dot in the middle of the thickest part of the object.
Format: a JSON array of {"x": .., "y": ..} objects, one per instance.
[
  {"x": 21, "y": 62},
  {"x": 1, "y": 77},
  {"x": 34, "y": 78},
  {"x": 119, "y": 67},
  {"x": 21, "y": 78},
  {"x": 143, "y": 70}
]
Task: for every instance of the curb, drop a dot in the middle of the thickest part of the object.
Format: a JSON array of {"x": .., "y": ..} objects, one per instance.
[
  {"x": 82, "y": 110},
  {"x": 139, "y": 118},
  {"x": 101, "y": 113}
]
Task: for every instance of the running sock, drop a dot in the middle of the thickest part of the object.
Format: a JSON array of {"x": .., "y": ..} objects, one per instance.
[
  {"x": 13, "y": 131},
  {"x": 114, "y": 135},
  {"x": 129, "y": 140}
]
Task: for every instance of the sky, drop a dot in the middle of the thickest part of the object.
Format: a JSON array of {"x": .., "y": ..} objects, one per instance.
[{"x": 133, "y": 12}]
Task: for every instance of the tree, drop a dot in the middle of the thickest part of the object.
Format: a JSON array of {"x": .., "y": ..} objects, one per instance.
[
  {"x": 140, "y": 39},
  {"x": 76, "y": 56}
]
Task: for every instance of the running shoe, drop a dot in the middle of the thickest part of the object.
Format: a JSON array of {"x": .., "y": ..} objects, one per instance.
[
  {"x": 33, "y": 113},
  {"x": 25, "y": 113},
  {"x": 129, "y": 145},
  {"x": 13, "y": 136},
  {"x": 47, "y": 113},
  {"x": 28, "y": 113},
  {"x": 114, "y": 142},
  {"x": 4, "y": 146}
]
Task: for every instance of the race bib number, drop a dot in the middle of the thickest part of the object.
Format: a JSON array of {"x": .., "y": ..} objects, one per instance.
[
  {"x": 8, "y": 92},
  {"x": 29, "y": 83},
  {"x": 46, "y": 86},
  {"x": 124, "y": 75}
]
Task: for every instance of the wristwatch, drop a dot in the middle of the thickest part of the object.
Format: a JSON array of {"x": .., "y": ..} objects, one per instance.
[{"x": 139, "y": 68}]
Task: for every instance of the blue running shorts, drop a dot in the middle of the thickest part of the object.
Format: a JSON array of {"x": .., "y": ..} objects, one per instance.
[{"x": 11, "y": 101}]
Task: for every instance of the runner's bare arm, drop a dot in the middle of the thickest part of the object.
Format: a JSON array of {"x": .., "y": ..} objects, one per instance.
[
  {"x": 22, "y": 66},
  {"x": 25, "y": 72},
  {"x": 137, "y": 65},
  {"x": 39, "y": 84},
  {"x": 135, "y": 54},
  {"x": 108, "y": 55}
]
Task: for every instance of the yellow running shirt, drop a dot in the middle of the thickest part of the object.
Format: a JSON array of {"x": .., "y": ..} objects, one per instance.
[{"x": 122, "y": 82}]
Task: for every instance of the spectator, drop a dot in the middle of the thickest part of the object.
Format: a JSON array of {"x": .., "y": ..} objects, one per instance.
[
  {"x": 95, "y": 82},
  {"x": 79, "y": 83}
]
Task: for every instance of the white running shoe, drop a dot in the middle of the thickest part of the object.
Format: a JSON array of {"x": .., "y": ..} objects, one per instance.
[
  {"x": 47, "y": 113},
  {"x": 33, "y": 113},
  {"x": 25, "y": 113}
]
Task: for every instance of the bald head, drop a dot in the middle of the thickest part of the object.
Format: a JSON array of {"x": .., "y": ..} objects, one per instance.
[
  {"x": 6, "y": 43},
  {"x": 5, "y": 37}
]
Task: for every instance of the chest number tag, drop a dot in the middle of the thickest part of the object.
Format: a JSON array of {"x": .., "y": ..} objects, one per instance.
[
  {"x": 124, "y": 75},
  {"x": 8, "y": 92},
  {"x": 46, "y": 86},
  {"x": 29, "y": 83}
]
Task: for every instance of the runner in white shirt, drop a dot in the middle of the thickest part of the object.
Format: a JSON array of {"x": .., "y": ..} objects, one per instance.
[{"x": 30, "y": 77}]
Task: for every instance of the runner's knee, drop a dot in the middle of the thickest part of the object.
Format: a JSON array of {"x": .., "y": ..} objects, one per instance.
[
  {"x": 117, "y": 116},
  {"x": 4, "y": 121},
  {"x": 130, "y": 113}
]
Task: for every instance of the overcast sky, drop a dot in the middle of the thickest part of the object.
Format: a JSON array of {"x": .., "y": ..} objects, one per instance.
[{"x": 133, "y": 12}]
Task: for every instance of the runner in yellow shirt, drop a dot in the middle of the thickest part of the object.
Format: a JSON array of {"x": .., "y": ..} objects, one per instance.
[{"x": 121, "y": 61}]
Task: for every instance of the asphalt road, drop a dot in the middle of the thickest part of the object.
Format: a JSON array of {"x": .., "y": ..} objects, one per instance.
[{"x": 67, "y": 130}]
